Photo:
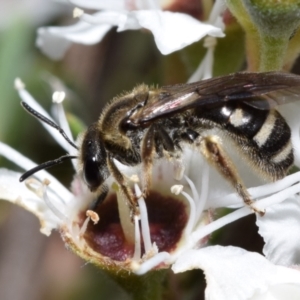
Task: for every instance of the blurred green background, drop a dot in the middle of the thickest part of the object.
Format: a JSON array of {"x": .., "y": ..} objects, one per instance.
[{"x": 33, "y": 266}]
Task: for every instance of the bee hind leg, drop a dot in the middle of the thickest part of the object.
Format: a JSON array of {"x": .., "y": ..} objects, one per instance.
[{"x": 212, "y": 150}]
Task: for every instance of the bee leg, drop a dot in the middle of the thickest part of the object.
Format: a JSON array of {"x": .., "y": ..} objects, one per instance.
[
  {"x": 101, "y": 195},
  {"x": 211, "y": 149},
  {"x": 155, "y": 140},
  {"x": 147, "y": 153},
  {"x": 124, "y": 188}
]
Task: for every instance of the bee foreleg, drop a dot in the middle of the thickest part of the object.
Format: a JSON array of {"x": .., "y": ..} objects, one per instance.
[
  {"x": 124, "y": 188},
  {"x": 212, "y": 150},
  {"x": 100, "y": 197},
  {"x": 147, "y": 152}
]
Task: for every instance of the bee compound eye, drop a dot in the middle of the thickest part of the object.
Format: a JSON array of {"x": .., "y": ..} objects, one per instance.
[{"x": 91, "y": 174}]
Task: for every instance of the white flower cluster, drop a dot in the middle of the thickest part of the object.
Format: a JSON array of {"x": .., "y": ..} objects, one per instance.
[
  {"x": 231, "y": 272},
  {"x": 172, "y": 31}
]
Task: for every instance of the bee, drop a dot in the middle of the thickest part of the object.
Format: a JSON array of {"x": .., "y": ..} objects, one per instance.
[{"x": 148, "y": 123}]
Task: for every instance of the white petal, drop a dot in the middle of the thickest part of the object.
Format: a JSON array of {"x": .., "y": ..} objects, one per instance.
[
  {"x": 231, "y": 272},
  {"x": 52, "y": 45},
  {"x": 280, "y": 229},
  {"x": 14, "y": 191},
  {"x": 172, "y": 31},
  {"x": 116, "y": 4},
  {"x": 101, "y": 4},
  {"x": 285, "y": 285},
  {"x": 54, "y": 41},
  {"x": 25, "y": 163},
  {"x": 11, "y": 188},
  {"x": 130, "y": 22},
  {"x": 27, "y": 97}
]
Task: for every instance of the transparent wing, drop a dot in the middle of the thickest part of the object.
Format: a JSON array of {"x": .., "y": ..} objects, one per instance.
[{"x": 260, "y": 90}]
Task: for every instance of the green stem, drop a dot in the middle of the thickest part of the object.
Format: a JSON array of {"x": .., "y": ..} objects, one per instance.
[
  {"x": 238, "y": 9},
  {"x": 145, "y": 287},
  {"x": 253, "y": 51},
  {"x": 269, "y": 25},
  {"x": 272, "y": 54}
]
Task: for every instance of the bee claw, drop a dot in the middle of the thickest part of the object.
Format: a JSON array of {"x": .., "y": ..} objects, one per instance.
[
  {"x": 144, "y": 194},
  {"x": 134, "y": 211},
  {"x": 260, "y": 212}
]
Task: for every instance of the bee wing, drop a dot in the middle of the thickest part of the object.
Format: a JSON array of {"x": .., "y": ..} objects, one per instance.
[{"x": 260, "y": 90}]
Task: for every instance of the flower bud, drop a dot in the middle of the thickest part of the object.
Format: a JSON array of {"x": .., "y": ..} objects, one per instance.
[{"x": 270, "y": 27}]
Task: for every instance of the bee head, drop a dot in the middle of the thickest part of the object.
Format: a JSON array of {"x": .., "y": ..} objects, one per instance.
[{"x": 94, "y": 159}]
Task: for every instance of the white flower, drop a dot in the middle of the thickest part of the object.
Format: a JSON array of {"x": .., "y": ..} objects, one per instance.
[
  {"x": 254, "y": 277},
  {"x": 280, "y": 230},
  {"x": 205, "y": 68},
  {"x": 172, "y": 31},
  {"x": 176, "y": 220}
]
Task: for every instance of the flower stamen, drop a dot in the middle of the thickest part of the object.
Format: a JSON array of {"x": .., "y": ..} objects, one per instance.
[
  {"x": 201, "y": 200},
  {"x": 26, "y": 97},
  {"x": 77, "y": 12},
  {"x": 193, "y": 189},
  {"x": 178, "y": 169},
  {"x": 137, "y": 244},
  {"x": 83, "y": 228},
  {"x": 50, "y": 205},
  {"x": 93, "y": 215},
  {"x": 19, "y": 84},
  {"x": 156, "y": 260},
  {"x": 57, "y": 98},
  {"x": 177, "y": 189},
  {"x": 209, "y": 42},
  {"x": 144, "y": 220},
  {"x": 204, "y": 70},
  {"x": 192, "y": 219},
  {"x": 35, "y": 186},
  {"x": 216, "y": 11},
  {"x": 262, "y": 191},
  {"x": 124, "y": 214}
]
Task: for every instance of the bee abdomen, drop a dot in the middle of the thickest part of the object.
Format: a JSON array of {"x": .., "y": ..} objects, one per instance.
[
  {"x": 274, "y": 137},
  {"x": 273, "y": 141},
  {"x": 271, "y": 149},
  {"x": 264, "y": 138}
]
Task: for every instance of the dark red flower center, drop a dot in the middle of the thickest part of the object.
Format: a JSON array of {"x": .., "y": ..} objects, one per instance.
[{"x": 167, "y": 219}]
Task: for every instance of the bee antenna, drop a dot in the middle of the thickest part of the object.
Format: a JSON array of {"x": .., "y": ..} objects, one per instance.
[
  {"x": 44, "y": 119},
  {"x": 46, "y": 165}
]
